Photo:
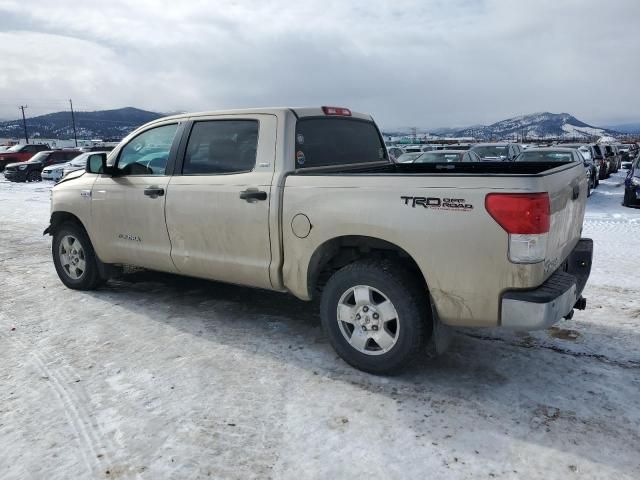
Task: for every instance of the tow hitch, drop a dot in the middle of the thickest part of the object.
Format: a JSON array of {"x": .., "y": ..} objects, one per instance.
[{"x": 581, "y": 304}]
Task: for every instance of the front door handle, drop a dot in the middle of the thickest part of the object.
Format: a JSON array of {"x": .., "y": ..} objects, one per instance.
[
  {"x": 154, "y": 192},
  {"x": 253, "y": 194}
]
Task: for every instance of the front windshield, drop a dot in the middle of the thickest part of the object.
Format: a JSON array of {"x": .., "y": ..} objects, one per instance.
[
  {"x": 545, "y": 156},
  {"x": 79, "y": 161},
  {"x": 38, "y": 157},
  {"x": 15, "y": 148},
  {"x": 439, "y": 157},
  {"x": 491, "y": 151}
]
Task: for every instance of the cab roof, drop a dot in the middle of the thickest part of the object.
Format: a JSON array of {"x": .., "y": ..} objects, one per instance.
[{"x": 299, "y": 112}]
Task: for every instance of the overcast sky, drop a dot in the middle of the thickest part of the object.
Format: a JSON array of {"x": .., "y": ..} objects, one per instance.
[{"x": 426, "y": 63}]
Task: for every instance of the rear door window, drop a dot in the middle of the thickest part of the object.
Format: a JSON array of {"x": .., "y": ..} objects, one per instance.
[
  {"x": 322, "y": 142},
  {"x": 218, "y": 147}
]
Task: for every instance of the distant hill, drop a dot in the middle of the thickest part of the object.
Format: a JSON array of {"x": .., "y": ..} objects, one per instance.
[
  {"x": 534, "y": 126},
  {"x": 103, "y": 124},
  {"x": 633, "y": 128}
]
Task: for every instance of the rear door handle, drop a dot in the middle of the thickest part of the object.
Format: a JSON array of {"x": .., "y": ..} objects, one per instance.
[
  {"x": 154, "y": 192},
  {"x": 253, "y": 194}
]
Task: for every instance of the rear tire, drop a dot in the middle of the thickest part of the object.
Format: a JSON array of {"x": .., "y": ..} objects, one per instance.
[
  {"x": 74, "y": 258},
  {"x": 376, "y": 315}
]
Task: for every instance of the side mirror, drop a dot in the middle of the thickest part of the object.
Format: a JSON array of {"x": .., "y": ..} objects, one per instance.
[{"x": 97, "y": 163}]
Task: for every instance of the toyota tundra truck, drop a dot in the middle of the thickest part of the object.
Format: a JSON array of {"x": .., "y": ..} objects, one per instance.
[{"x": 306, "y": 201}]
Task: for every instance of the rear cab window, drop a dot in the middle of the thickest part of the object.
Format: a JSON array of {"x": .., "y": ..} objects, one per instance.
[{"x": 331, "y": 141}]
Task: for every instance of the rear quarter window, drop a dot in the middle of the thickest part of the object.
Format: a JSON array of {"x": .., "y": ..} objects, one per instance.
[{"x": 322, "y": 142}]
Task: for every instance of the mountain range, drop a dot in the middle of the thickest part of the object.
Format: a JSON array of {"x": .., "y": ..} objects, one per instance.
[
  {"x": 115, "y": 124},
  {"x": 533, "y": 126},
  {"x": 103, "y": 124}
]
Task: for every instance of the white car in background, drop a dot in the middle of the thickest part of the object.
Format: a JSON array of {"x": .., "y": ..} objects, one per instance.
[{"x": 57, "y": 172}]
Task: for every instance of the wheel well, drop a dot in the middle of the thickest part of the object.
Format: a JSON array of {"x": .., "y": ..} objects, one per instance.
[
  {"x": 58, "y": 218},
  {"x": 339, "y": 252}
]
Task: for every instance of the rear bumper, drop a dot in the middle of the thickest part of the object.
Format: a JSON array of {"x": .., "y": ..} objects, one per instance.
[{"x": 545, "y": 305}]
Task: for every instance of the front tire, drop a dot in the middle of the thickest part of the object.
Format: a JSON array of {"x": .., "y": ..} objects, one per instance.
[
  {"x": 376, "y": 315},
  {"x": 33, "y": 176},
  {"x": 74, "y": 258}
]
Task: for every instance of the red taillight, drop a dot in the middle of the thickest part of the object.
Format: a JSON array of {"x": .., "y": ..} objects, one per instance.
[
  {"x": 344, "y": 112},
  {"x": 520, "y": 213}
]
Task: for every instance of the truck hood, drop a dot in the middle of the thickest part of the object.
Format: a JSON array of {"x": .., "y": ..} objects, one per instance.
[{"x": 72, "y": 175}]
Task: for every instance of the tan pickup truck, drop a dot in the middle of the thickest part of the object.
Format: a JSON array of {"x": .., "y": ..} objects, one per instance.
[{"x": 306, "y": 201}]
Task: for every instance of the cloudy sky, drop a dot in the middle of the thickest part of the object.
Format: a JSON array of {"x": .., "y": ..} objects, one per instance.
[{"x": 426, "y": 63}]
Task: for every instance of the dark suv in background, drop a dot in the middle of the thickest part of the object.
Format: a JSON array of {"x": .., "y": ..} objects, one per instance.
[
  {"x": 601, "y": 158},
  {"x": 30, "y": 170}
]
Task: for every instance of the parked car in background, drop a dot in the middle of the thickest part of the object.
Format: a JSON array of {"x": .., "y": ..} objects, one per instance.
[
  {"x": 500, "y": 152},
  {"x": 614, "y": 157},
  {"x": 394, "y": 152},
  {"x": 630, "y": 151},
  {"x": 58, "y": 170},
  {"x": 30, "y": 171},
  {"x": 600, "y": 157},
  {"x": 408, "y": 157},
  {"x": 461, "y": 146},
  {"x": 78, "y": 163},
  {"x": 590, "y": 164},
  {"x": 20, "y": 153},
  {"x": 557, "y": 154},
  {"x": 418, "y": 148},
  {"x": 632, "y": 185},
  {"x": 97, "y": 148},
  {"x": 447, "y": 156}
]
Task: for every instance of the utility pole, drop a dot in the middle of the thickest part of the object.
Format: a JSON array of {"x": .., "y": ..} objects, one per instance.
[
  {"x": 73, "y": 120},
  {"x": 24, "y": 122}
]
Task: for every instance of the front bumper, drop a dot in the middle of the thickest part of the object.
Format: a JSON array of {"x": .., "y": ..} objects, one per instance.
[
  {"x": 545, "y": 305},
  {"x": 53, "y": 175},
  {"x": 15, "y": 176}
]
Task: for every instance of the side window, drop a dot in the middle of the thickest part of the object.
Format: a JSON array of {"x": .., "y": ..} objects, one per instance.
[
  {"x": 221, "y": 147},
  {"x": 58, "y": 158},
  {"x": 147, "y": 153}
]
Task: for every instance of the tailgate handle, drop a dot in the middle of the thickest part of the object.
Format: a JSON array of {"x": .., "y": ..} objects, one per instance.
[{"x": 576, "y": 192}]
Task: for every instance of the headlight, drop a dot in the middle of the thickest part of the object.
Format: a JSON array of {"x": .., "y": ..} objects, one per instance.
[
  {"x": 635, "y": 181},
  {"x": 22, "y": 167}
]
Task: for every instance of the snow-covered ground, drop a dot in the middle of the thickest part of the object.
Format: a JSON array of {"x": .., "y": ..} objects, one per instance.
[{"x": 157, "y": 376}]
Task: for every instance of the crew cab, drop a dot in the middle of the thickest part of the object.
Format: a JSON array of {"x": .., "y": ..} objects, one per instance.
[
  {"x": 306, "y": 201},
  {"x": 20, "y": 153}
]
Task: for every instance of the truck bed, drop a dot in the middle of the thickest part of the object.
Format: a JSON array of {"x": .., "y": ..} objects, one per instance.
[{"x": 480, "y": 168}]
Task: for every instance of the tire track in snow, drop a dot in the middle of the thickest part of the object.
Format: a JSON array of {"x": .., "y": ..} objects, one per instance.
[{"x": 90, "y": 438}]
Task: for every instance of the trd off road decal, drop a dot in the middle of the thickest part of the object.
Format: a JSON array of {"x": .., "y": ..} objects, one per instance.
[{"x": 458, "y": 204}]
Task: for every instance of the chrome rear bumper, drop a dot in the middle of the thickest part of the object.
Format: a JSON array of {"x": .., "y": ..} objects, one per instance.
[{"x": 556, "y": 298}]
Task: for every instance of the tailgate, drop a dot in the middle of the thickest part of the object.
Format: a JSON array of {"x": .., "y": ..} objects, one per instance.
[{"x": 568, "y": 198}]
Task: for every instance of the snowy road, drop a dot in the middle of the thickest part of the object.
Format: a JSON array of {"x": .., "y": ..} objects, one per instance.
[{"x": 157, "y": 376}]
